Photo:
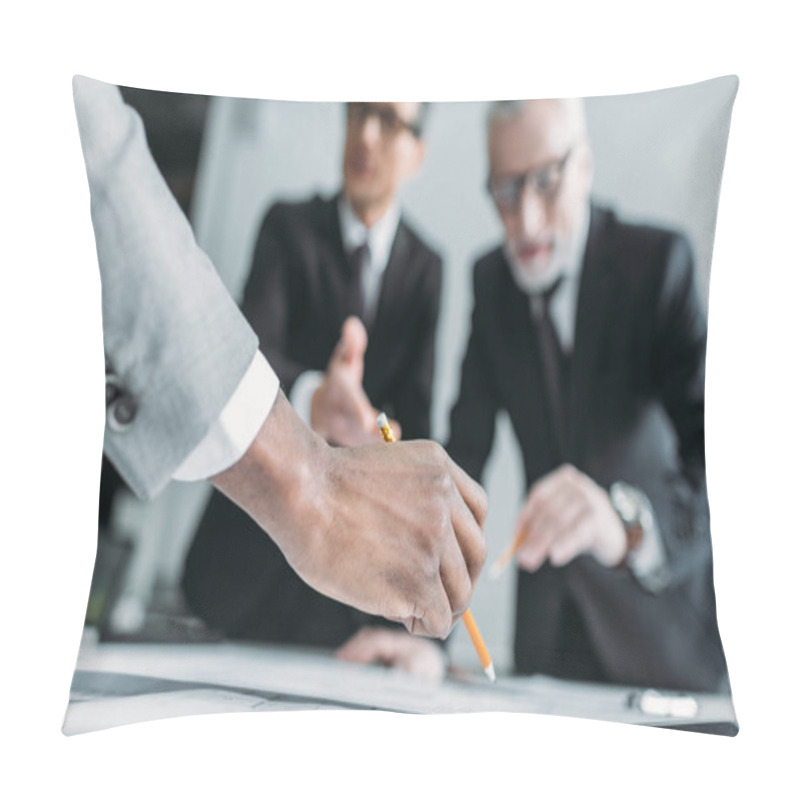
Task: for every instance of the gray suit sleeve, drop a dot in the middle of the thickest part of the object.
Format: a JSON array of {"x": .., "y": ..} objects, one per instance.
[{"x": 176, "y": 345}]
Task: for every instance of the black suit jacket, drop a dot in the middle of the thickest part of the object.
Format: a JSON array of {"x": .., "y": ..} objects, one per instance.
[
  {"x": 296, "y": 301},
  {"x": 235, "y": 577},
  {"x": 634, "y": 412}
]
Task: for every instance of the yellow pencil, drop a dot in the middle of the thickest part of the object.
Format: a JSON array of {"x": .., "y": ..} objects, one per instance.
[
  {"x": 479, "y": 645},
  {"x": 469, "y": 620},
  {"x": 385, "y": 428},
  {"x": 507, "y": 555}
]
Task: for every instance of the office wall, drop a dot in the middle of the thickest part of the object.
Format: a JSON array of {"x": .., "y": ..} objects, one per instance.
[{"x": 656, "y": 155}]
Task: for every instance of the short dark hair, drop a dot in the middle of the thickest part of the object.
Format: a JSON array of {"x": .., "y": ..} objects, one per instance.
[
  {"x": 416, "y": 128},
  {"x": 422, "y": 116}
]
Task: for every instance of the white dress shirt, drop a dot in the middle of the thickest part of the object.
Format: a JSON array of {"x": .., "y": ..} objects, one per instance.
[
  {"x": 568, "y": 260},
  {"x": 237, "y": 425},
  {"x": 379, "y": 238}
]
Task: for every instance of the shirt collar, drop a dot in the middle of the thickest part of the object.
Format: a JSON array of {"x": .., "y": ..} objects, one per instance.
[
  {"x": 576, "y": 248},
  {"x": 379, "y": 237}
]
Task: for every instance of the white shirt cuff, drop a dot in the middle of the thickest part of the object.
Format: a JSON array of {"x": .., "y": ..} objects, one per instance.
[
  {"x": 649, "y": 561},
  {"x": 236, "y": 427},
  {"x": 302, "y": 391}
]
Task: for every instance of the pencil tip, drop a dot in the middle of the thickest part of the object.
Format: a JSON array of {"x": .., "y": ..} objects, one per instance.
[
  {"x": 490, "y": 673},
  {"x": 382, "y": 421}
]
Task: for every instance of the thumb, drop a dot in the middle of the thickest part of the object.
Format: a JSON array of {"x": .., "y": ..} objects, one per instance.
[
  {"x": 349, "y": 351},
  {"x": 353, "y": 340}
]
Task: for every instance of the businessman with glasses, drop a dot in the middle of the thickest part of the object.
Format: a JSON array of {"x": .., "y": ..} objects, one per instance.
[
  {"x": 344, "y": 297},
  {"x": 588, "y": 331}
]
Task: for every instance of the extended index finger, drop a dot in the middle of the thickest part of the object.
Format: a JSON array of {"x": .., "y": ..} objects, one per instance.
[
  {"x": 467, "y": 516},
  {"x": 471, "y": 491},
  {"x": 539, "y": 496}
]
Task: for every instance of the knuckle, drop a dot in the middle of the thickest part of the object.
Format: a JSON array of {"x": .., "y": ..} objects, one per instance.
[
  {"x": 461, "y": 598},
  {"x": 433, "y": 451},
  {"x": 426, "y": 564},
  {"x": 440, "y": 527},
  {"x": 440, "y": 453},
  {"x": 444, "y": 484},
  {"x": 438, "y": 620},
  {"x": 569, "y": 472}
]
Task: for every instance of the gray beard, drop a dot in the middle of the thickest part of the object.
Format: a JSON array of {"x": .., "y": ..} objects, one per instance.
[{"x": 536, "y": 284}]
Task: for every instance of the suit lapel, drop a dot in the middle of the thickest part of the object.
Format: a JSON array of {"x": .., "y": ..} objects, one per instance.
[
  {"x": 332, "y": 235},
  {"x": 334, "y": 267},
  {"x": 595, "y": 298},
  {"x": 397, "y": 283},
  {"x": 517, "y": 358}
]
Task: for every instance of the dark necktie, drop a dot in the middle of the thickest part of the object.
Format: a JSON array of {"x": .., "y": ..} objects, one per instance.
[
  {"x": 553, "y": 365},
  {"x": 354, "y": 305}
]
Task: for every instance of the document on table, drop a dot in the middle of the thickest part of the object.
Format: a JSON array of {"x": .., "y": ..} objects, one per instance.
[{"x": 120, "y": 683}]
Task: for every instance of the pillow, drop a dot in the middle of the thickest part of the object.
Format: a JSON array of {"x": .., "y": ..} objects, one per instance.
[{"x": 539, "y": 308}]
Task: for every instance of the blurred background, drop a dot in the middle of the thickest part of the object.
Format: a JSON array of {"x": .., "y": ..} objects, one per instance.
[{"x": 658, "y": 157}]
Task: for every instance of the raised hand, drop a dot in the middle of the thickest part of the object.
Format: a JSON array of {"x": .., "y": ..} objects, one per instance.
[{"x": 340, "y": 409}]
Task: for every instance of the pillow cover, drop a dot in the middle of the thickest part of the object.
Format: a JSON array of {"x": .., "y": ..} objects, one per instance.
[{"x": 533, "y": 295}]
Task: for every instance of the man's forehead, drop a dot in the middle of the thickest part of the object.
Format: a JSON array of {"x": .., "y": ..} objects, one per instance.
[
  {"x": 405, "y": 110},
  {"x": 539, "y": 134}
]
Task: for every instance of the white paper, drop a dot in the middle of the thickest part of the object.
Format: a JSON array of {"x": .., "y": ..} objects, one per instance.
[{"x": 133, "y": 682}]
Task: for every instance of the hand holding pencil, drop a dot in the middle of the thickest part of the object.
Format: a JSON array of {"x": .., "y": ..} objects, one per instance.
[
  {"x": 469, "y": 620},
  {"x": 566, "y": 514},
  {"x": 392, "y": 531}
]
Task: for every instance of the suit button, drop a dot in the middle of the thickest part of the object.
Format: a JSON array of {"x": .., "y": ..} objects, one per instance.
[{"x": 121, "y": 407}]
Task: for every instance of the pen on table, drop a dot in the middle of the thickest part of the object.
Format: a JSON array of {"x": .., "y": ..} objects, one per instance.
[
  {"x": 469, "y": 620},
  {"x": 651, "y": 701}
]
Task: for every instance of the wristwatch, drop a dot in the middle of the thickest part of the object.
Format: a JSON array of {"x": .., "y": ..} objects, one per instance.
[{"x": 633, "y": 508}]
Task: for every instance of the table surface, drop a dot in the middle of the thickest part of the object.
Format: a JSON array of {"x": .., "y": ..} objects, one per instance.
[{"x": 118, "y": 684}]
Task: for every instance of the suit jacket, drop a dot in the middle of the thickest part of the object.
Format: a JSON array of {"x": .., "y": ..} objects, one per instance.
[
  {"x": 176, "y": 345},
  {"x": 296, "y": 300},
  {"x": 235, "y": 578},
  {"x": 634, "y": 411}
]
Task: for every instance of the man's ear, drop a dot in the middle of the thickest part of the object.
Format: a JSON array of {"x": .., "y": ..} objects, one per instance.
[
  {"x": 588, "y": 165},
  {"x": 417, "y": 158}
]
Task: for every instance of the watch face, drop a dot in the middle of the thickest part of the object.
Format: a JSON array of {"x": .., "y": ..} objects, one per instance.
[
  {"x": 628, "y": 504},
  {"x": 625, "y": 502}
]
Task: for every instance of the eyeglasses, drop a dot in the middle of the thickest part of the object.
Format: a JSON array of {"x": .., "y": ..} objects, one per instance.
[
  {"x": 545, "y": 181},
  {"x": 391, "y": 124}
]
